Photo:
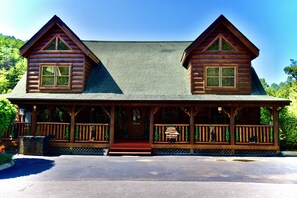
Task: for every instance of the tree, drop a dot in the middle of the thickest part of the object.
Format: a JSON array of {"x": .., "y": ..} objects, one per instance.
[
  {"x": 12, "y": 65},
  {"x": 292, "y": 69},
  {"x": 7, "y": 114},
  {"x": 288, "y": 115}
]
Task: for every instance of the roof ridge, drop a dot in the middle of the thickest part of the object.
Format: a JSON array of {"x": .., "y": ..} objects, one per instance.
[{"x": 104, "y": 41}]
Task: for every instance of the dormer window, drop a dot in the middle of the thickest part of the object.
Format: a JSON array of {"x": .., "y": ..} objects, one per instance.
[
  {"x": 55, "y": 76},
  {"x": 220, "y": 44},
  {"x": 56, "y": 43},
  {"x": 220, "y": 76}
]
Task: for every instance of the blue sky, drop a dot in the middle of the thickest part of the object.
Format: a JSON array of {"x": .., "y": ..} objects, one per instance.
[{"x": 270, "y": 24}]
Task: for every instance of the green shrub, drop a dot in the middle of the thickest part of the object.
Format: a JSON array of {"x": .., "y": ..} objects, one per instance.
[
  {"x": 7, "y": 114},
  {"x": 5, "y": 158}
]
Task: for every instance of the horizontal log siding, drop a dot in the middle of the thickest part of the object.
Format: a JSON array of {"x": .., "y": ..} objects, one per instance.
[
  {"x": 241, "y": 58},
  {"x": 182, "y": 129},
  {"x": 89, "y": 64},
  {"x": 37, "y": 57},
  {"x": 83, "y": 132},
  {"x": 203, "y": 133}
]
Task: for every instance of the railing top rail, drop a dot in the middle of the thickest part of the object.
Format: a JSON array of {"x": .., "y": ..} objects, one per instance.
[
  {"x": 22, "y": 122},
  {"x": 92, "y": 124},
  {"x": 211, "y": 125},
  {"x": 60, "y": 123},
  {"x": 254, "y": 125},
  {"x": 171, "y": 124}
]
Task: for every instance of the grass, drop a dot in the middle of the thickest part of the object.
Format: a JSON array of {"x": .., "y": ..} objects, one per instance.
[{"x": 5, "y": 158}]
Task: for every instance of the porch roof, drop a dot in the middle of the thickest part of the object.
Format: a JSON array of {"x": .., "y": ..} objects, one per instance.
[{"x": 19, "y": 94}]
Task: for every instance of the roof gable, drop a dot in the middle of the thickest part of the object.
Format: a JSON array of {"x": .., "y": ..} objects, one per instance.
[
  {"x": 221, "y": 20},
  {"x": 55, "y": 20}
]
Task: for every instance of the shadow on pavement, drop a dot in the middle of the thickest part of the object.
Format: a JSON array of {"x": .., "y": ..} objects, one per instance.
[{"x": 26, "y": 167}]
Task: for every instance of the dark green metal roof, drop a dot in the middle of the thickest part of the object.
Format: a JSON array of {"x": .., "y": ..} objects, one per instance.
[{"x": 141, "y": 71}]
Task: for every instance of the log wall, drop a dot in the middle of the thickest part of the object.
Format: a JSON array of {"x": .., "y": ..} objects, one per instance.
[
  {"x": 241, "y": 58},
  {"x": 74, "y": 57}
]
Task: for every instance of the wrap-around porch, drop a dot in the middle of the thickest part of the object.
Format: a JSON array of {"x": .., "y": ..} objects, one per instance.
[{"x": 196, "y": 126}]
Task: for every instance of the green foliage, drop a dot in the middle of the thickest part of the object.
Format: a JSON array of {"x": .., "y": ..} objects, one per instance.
[
  {"x": 288, "y": 115},
  {"x": 5, "y": 158},
  {"x": 7, "y": 114},
  {"x": 292, "y": 69},
  {"x": 156, "y": 135},
  {"x": 67, "y": 133},
  {"x": 197, "y": 134},
  {"x": 12, "y": 65},
  {"x": 76, "y": 133},
  {"x": 237, "y": 136},
  {"x": 227, "y": 134},
  {"x": 106, "y": 133},
  {"x": 12, "y": 132}
]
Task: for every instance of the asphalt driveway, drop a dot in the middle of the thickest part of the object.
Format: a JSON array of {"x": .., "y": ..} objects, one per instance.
[{"x": 188, "y": 176}]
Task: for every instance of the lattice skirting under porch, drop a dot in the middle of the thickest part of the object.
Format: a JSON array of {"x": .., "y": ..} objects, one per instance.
[
  {"x": 256, "y": 153},
  {"x": 165, "y": 151},
  {"x": 214, "y": 152},
  {"x": 76, "y": 151}
]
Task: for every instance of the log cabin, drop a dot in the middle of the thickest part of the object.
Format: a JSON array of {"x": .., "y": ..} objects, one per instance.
[{"x": 199, "y": 97}]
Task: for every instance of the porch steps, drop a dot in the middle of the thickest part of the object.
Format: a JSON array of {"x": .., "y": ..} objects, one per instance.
[{"x": 130, "y": 148}]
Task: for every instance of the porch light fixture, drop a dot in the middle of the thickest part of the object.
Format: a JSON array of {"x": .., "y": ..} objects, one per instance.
[
  {"x": 34, "y": 107},
  {"x": 220, "y": 109}
]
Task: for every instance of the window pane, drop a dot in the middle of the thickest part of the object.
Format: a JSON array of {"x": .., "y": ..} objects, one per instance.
[
  {"x": 47, "y": 80},
  {"x": 51, "y": 46},
  {"x": 213, "y": 82},
  {"x": 228, "y": 71},
  {"x": 214, "y": 46},
  {"x": 62, "y": 45},
  {"x": 228, "y": 82},
  {"x": 62, "y": 80},
  {"x": 48, "y": 70},
  {"x": 226, "y": 46},
  {"x": 213, "y": 71},
  {"x": 63, "y": 71}
]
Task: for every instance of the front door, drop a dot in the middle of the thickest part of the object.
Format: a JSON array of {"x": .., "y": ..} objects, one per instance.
[
  {"x": 132, "y": 123},
  {"x": 135, "y": 123}
]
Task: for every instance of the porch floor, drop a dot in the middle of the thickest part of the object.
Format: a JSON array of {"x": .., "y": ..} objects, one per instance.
[{"x": 130, "y": 147}]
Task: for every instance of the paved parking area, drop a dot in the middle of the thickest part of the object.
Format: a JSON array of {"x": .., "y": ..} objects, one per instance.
[{"x": 161, "y": 176}]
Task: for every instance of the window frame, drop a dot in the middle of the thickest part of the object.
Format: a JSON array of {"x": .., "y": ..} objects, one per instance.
[
  {"x": 56, "y": 39},
  {"x": 220, "y": 37},
  {"x": 55, "y": 85},
  {"x": 220, "y": 76}
]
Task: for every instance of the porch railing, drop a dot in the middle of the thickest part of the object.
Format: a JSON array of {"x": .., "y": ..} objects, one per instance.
[
  {"x": 83, "y": 132},
  {"x": 17, "y": 129},
  {"x": 58, "y": 131},
  {"x": 211, "y": 133},
  {"x": 182, "y": 129},
  {"x": 254, "y": 134}
]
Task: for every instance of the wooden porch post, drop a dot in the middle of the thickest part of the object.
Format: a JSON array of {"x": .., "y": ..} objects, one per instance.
[
  {"x": 275, "y": 126},
  {"x": 112, "y": 120},
  {"x": 72, "y": 124},
  {"x": 151, "y": 135},
  {"x": 232, "y": 126},
  {"x": 192, "y": 125},
  {"x": 33, "y": 121}
]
